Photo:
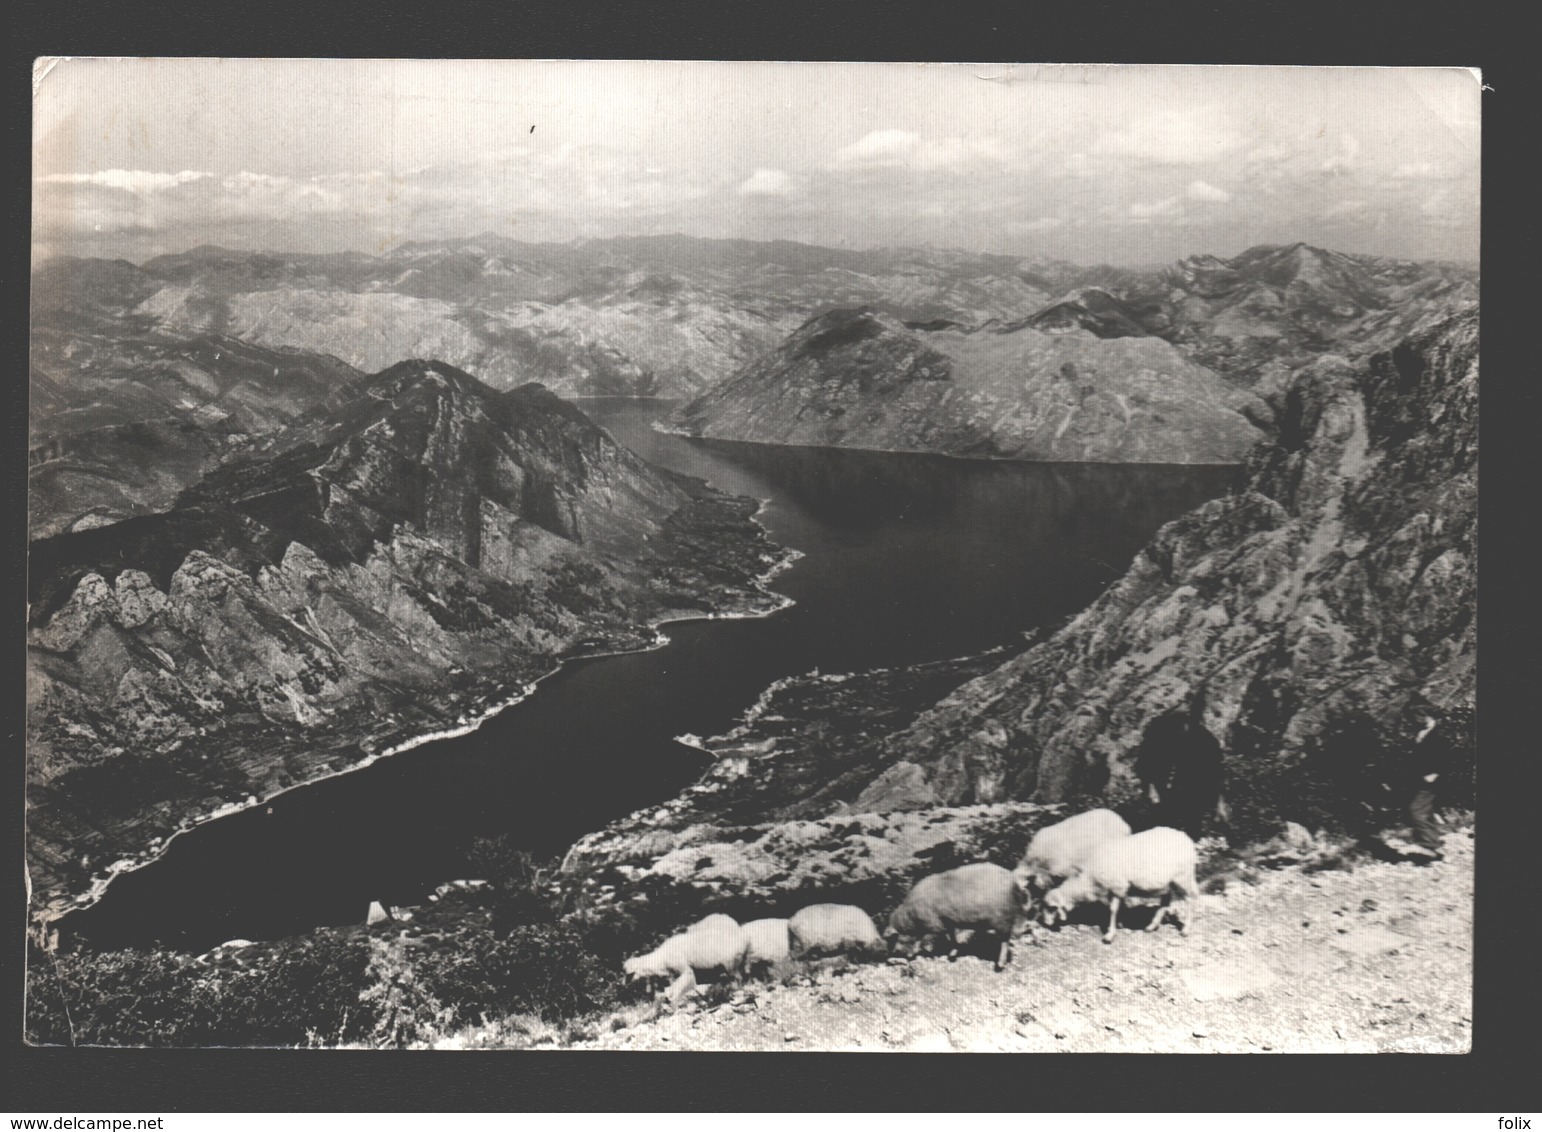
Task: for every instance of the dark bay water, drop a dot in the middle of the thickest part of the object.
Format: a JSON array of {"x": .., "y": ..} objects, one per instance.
[{"x": 907, "y": 558}]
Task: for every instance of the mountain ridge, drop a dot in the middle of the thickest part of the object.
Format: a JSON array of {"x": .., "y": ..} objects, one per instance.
[
  {"x": 496, "y": 305},
  {"x": 396, "y": 562},
  {"x": 858, "y": 379}
]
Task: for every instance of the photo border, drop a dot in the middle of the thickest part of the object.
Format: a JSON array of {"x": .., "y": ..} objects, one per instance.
[{"x": 85, "y": 1081}]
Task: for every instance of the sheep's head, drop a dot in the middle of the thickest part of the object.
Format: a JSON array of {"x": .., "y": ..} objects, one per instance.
[
  {"x": 640, "y": 967},
  {"x": 898, "y": 943},
  {"x": 1058, "y": 903}
]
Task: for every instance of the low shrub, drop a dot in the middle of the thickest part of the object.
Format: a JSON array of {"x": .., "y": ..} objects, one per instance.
[
  {"x": 304, "y": 991},
  {"x": 544, "y": 969}
]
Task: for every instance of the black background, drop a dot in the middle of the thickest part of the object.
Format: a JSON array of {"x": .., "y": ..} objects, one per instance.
[{"x": 1498, "y": 1076}]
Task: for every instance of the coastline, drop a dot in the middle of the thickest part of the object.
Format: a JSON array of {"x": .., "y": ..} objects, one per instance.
[
  {"x": 666, "y": 429},
  {"x": 59, "y": 908}
]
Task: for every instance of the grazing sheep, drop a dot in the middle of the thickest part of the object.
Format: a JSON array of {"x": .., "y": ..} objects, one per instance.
[
  {"x": 1059, "y": 851},
  {"x": 715, "y": 944},
  {"x": 832, "y": 929},
  {"x": 980, "y": 897},
  {"x": 770, "y": 948},
  {"x": 716, "y": 922},
  {"x": 1159, "y": 862}
]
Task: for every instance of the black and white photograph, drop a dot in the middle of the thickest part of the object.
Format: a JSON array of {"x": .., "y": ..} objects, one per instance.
[{"x": 627, "y": 555}]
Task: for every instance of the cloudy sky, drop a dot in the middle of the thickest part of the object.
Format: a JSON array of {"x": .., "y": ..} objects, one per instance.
[{"x": 1117, "y": 164}]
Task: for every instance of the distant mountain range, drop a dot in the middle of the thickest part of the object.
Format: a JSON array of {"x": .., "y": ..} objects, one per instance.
[
  {"x": 145, "y": 377},
  {"x": 649, "y": 316}
]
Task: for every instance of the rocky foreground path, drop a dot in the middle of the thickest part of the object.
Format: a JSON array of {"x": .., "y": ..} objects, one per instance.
[{"x": 1378, "y": 959}]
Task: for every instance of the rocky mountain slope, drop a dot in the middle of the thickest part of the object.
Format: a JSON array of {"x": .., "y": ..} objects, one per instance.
[
  {"x": 1260, "y": 315},
  {"x": 1300, "y": 613},
  {"x": 855, "y": 378},
  {"x": 412, "y": 551}
]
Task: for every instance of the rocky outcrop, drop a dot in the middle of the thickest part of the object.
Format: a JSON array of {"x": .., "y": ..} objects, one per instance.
[
  {"x": 857, "y": 379},
  {"x": 397, "y": 562}
]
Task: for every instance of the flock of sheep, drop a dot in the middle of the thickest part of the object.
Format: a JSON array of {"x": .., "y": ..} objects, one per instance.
[{"x": 1086, "y": 858}]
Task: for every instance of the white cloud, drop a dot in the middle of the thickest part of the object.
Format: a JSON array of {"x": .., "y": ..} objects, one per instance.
[
  {"x": 1042, "y": 224},
  {"x": 880, "y": 147},
  {"x": 1175, "y": 137},
  {"x": 1171, "y": 206},
  {"x": 1203, "y": 190},
  {"x": 1079, "y": 165},
  {"x": 129, "y": 180},
  {"x": 1435, "y": 203},
  {"x": 137, "y": 200},
  {"x": 769, "y": 183},
  {"x": 1345, "y": 208},
  {"x": 1270, "y": 151},
  {"x": 1344, "y": 159},
  {"x": 888, "y": 149}
]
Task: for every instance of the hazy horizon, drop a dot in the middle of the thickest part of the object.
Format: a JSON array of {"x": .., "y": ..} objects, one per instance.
[
  {"x": 1123, "y": 164},
  {"x": 577, "y": 241}
]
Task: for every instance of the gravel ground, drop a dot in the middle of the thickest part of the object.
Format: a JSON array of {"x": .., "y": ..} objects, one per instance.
[{"x": 1378, "y": 959}]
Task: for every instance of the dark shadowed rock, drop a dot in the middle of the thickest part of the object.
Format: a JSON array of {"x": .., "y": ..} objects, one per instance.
[{"x": 1094, "y": 310}]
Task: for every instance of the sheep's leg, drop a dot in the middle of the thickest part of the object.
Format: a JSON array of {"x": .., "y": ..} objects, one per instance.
[
  {"x": 1113, "y": 918},
  {"x": 682, "y": 986},
  {"x": 1161, "y": 913},
  {"x": 1190, "y": 906},
  {"x": 952, "y": 945},
  {"x": 1004, "y": 956}
]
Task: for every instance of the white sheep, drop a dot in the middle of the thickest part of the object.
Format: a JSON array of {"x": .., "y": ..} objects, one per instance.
[
  {"x": 1157, "y": 863},
  {"x": 1058, "y": 852},
  {"x": 770, "y": 947},
  {"x": 832, "y": 929},
  {"x": 970, "y": 898},
  {"x": 716, "y": 922},
  {"x": 716, "y": 944}
]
